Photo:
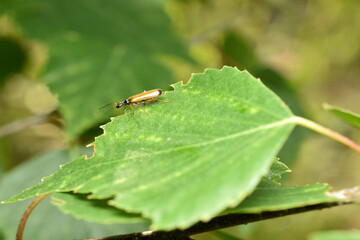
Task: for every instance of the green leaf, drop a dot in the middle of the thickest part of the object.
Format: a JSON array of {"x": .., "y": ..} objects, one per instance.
[
  {"x": 191, "y": 158},
  {"x": 47, "y": 222},
  {"x": 336, "y": 235},
  {"x": 276, "y": 171},
  {"x": 241, "y": 53},
  {"x": 79, "y": 206},
  {"x": 100, "y": 52},
  {"x": 275, "y": 198},
  {"x": 347, "y": 116}
]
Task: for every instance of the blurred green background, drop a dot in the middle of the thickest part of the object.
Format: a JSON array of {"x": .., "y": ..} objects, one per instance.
[{"x": 61, "y": 61}]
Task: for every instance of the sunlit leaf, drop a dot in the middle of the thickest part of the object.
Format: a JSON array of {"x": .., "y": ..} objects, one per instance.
[
  {"x": 241, "y": 53},
  {"x": 99, "y": 211},
  {"x": 191, "y": 158}
]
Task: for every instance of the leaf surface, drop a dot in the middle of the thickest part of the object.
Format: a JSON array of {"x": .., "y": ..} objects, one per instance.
[
  {"x": 94, "y": 210},
  {"x": 275, "y": 198},
  {"x": 79, "y": 206},
  {"x": 275, "y": 173},
  {"x": 191, "y": 158},
  {"x": 241, "y": 53},
  {"x": 99, "y": 51},
  {"x": 54, "y": 224},
  {"x": 347, "y": 116}
]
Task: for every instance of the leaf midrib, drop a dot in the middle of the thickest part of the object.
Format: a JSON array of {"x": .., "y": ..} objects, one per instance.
[{"x": 219, "y": 139}]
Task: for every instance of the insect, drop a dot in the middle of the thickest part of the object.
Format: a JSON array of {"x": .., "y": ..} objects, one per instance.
[{"x": 146, "y": 96}]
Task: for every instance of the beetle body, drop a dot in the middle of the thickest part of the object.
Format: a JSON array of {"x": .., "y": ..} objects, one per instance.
[
  {"x": 141, "y": 97},
  {"x": 146, "y": 96}
]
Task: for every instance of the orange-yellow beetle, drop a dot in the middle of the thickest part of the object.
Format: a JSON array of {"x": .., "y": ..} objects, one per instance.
[{"x": 146, "y": 96}]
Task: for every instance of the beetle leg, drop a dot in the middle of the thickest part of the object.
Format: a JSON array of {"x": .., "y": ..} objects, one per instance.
[
  {"x": 141, "y": 108},
  {"x": 132, "y": 110}
]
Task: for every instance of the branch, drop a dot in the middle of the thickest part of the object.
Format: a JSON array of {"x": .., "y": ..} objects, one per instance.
[
  {"x": 21, "y": 124},
  {"x": 220, "y": 222}
]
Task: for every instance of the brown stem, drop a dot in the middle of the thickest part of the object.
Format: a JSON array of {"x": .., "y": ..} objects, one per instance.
[
  {"x": 28, "y": 211},
  {"x": 220, "y": 222}
]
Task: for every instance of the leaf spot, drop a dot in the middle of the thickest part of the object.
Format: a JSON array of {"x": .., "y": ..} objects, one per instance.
[
  {"x": 121, "y": 180},
  {"x": 142, "y": 187},
  {"x": 254, "y": 110},
  {"x": 78, "y": 187}
]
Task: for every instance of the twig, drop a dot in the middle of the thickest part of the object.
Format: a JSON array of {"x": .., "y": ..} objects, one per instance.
[
  {"x": 220, "y": 222},
  {"x": 21, "y": 124},
  {"x": 28, "y": 211}
]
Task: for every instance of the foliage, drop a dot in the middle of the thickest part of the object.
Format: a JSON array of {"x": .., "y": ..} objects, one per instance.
[
  {"x": 183, "y": 142},
  {"x": 91, "y": 64},
  {"x": 213, "y": 163},
  {"x": 347, "y": 116},
  {"x": 54, "y": 225},
  {"x": 210, "y": 152},
  {"x": 80, "y": 206},
  {"x": 12, "y": 58},
  {"x": 92, "y": 210}
]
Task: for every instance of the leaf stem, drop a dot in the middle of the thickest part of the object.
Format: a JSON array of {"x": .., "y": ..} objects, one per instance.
[
  {"x": 326, "y": 132},
  {"x": 28, "y": 211}
]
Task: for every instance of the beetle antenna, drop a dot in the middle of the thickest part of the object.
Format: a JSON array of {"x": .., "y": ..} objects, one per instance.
[{"x": 107, "y": 106}]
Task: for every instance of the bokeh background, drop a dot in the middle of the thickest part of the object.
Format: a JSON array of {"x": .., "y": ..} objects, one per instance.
[{"x": 61, "y": 61}]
